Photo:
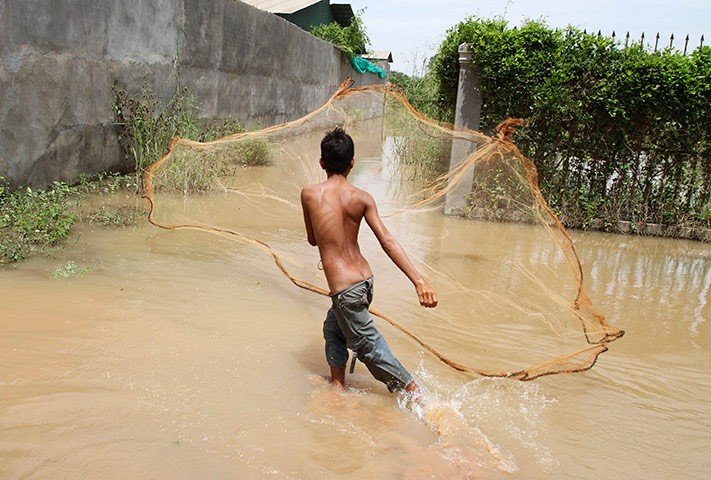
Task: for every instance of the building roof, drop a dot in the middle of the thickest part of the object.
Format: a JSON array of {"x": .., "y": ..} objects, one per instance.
[
  {"x": 342, "y": 13},
  {"x": 379, "y": 55},
  {"x": 281, "y": 6}
]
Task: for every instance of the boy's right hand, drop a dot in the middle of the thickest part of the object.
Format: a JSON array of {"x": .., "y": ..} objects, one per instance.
[{"x": 426, "y": 294}]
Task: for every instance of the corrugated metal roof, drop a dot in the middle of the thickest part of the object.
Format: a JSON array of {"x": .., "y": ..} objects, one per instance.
[
  {"x": 379, "y": 55},
  {"x": 342, "y": 13},
  {"x": 281, "y": 6}
]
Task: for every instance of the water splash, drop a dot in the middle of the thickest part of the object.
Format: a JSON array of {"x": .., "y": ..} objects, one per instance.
[{"x": 483, "y": 421}]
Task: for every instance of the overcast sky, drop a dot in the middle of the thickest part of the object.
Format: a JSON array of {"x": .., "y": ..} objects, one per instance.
[{"x": 413, "y": 29}]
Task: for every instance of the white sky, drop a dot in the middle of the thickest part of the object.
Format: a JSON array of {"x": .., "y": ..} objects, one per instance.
[{"x": 413, "y": 29}]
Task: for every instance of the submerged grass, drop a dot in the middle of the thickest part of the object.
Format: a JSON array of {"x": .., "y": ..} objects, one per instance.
[
  {"x": 69, "y": 270},
  {"x": 422, "y": 152},
  {"x": 190, "y": 171},
  {"x": 32, "y": 221}
]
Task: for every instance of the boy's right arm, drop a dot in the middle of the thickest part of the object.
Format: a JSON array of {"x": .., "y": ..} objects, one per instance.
[
  {"x": 307, "y": 220},
  {"x": 425, "y": 293}
]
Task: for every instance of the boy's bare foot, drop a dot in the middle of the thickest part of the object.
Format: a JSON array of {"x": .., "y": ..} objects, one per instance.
[
  {"x": 412, "y": 387},
  {"x": 415, "y": 397}
]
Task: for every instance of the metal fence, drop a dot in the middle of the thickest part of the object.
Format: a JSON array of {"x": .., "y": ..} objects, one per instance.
[{"x": 656, "y": 40}]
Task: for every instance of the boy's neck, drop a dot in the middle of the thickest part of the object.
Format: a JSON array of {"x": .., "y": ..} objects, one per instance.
[{"x": 337, "y": 176}]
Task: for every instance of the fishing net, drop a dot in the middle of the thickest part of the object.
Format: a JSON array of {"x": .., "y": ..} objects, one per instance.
[{"x": 520, "y": 313}]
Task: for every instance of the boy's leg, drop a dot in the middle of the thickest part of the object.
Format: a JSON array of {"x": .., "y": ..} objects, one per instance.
[
  {"x": 382, "y": 364},
  {"x": 338, "y": 376},
  {"x": 336, "y": 351},
  {"x": 356, "y": 325}
]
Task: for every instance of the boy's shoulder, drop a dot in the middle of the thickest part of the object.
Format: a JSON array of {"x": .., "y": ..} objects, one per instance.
[{"x": 354, "y": 193}]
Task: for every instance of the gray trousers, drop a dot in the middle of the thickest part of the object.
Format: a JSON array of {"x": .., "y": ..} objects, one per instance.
[{"x": 348, "y": 324}]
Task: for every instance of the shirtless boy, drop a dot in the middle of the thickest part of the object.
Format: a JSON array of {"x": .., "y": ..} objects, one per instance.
[{"x": 333, "y": 211}]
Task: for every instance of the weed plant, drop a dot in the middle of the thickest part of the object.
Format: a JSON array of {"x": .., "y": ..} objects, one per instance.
[
  {"x": 31, "y": 220},
  {"x": 424, "y": 154},
  {"x": 34, "y": 220},
  {"x": 146, "y": 129},
  {"x": 121, "y": 216},
  {"x": 69, "y": 270}
]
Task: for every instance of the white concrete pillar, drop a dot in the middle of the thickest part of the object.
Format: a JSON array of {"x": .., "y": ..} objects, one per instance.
[{"x": 467, "y": 114}]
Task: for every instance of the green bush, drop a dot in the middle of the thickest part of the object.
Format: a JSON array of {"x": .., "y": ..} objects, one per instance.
[
  {"x": 617, "y": 133},
  {"x": 31, "y": 220},
  {"x": 352, "y": 40},
  {"x": 421, "y": 91}
]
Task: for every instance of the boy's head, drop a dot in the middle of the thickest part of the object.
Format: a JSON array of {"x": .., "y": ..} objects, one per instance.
[{"x": 337, "y": 151}]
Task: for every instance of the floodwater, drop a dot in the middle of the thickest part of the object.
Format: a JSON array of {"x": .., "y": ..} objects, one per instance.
[{"x": 181, "y": 354}]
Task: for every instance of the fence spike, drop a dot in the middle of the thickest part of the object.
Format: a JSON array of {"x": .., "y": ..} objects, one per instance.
[
  {"x": 627, "y": 38},
  {"x": 585, "y": 31},
  {"x": 702, "y": 41},
  {"x": 641, "y": 40},
  {"x": 599, "y": 33},
  {"x": 656, "y": 42},
  {"x": 613, "y": 34},
  {"x": 686, "y": 43},
  {"x": 671, "y": 40}
]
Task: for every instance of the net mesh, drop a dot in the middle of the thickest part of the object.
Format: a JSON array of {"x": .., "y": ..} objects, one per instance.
[{"x": 539, "y": 321}]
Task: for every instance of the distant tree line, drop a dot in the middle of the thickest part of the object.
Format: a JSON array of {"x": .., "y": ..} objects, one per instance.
[{"x": 617, "y": 133}]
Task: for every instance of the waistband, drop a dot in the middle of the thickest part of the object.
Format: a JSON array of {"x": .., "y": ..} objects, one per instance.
[{"x": 368, "y": 281}]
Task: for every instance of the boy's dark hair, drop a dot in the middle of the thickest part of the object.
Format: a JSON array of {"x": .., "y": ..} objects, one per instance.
[{"x": 337, "y": 150}]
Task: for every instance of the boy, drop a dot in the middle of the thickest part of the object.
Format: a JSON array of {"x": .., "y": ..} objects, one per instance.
[{"x": 333, "y": 211}]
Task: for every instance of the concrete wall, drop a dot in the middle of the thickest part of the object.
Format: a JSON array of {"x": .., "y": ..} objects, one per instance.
[{"x": 59, "y": 59}]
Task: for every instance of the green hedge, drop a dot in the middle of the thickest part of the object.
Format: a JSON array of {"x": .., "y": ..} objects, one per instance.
[{"x": 617, "y": 133}]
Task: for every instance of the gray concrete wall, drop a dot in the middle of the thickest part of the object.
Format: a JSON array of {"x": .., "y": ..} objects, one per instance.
[{"x": 59, "y": 59}]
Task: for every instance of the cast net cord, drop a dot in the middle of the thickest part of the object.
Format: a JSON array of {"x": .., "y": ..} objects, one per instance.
[
  {"x": 519, "y": 375},
  {"x": 574, "y": 362}
]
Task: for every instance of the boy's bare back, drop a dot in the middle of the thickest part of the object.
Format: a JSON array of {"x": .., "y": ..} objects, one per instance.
[{"x": 333, "y": 211}]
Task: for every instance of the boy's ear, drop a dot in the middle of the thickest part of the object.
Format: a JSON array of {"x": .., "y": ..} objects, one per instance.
[
  {"x": 320, "y": 162},
  {"x": 352, "y": 162}
]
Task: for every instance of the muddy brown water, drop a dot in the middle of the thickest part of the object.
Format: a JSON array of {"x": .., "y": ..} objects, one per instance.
[{"x": 182, "y": 355}]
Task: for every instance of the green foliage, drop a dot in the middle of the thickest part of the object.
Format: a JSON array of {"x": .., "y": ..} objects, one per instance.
[
  {"x": 254, "y": 152},
  {"x": 421, "y": 91},
  {"x": 352, "y": 40},
  {"x": 424, "y": 153},
  {"x": 146, "y": 129},
  {"x": 31, "y": 220},
  {"x": 121, "y": 216},
  {"x": 69, "y": 270},
  {"x": 617, "y": 133},
  {"x": 105, "y": 182}
]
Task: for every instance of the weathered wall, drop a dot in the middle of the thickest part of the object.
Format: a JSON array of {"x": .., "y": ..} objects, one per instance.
[{"x": 59, "y": 59}]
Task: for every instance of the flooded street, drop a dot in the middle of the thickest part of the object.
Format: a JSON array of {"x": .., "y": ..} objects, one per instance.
[{"x": 181, "y": 354}]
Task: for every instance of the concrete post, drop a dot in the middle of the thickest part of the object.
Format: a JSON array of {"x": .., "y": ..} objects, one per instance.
[{"x": 468, "y": 113}]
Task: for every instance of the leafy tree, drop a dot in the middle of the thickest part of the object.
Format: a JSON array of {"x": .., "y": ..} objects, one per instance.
[{"x": 352, "y": 40}]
